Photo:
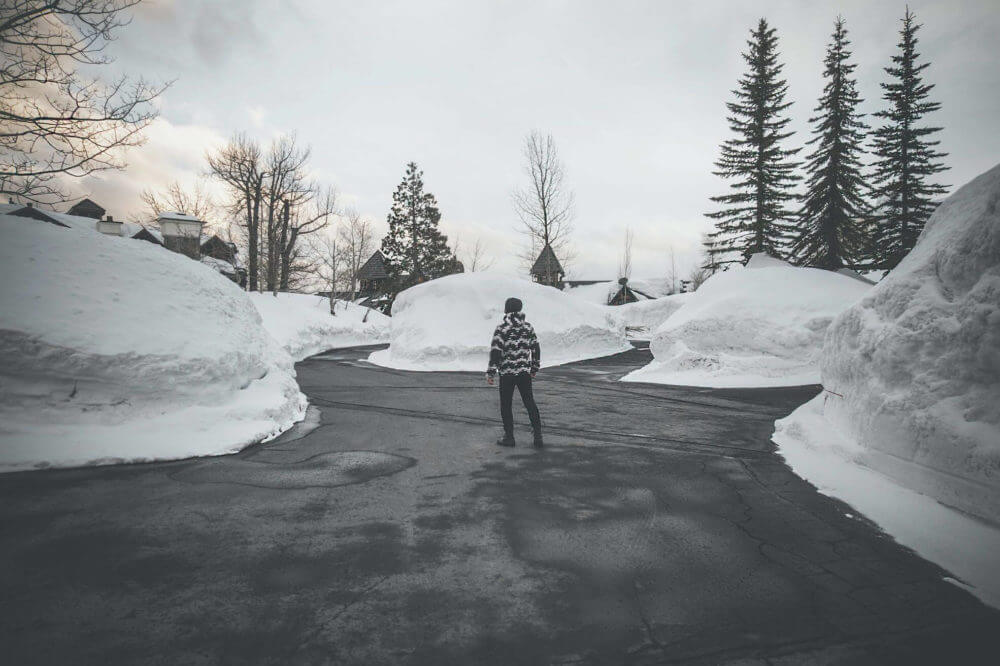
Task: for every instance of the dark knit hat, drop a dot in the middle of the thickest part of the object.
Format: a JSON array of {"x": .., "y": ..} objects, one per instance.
[{"x": 512, "y": 305}]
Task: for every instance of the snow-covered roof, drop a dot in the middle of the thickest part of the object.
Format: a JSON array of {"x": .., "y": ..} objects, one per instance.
[
  {"x": 219, "y": 264},
  {"x": 173, "y": 215}
]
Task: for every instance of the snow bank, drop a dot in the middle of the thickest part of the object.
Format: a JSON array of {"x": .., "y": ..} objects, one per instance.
[
  {"x": 761, "y": 325},
  {"x": 117, "y": 350},
  {"x": 598, "y": 293},
  {"x": 303, "y": 325},
  {"x": 649, "y": 315},
  {"x": 913, "y": 369},
  {"x": 965, "y": 546},
  {"x": 447, "y": 324}
]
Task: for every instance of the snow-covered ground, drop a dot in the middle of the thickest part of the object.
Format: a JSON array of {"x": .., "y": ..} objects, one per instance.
[
  {"x": 302, "y": 323},
  {"x": 114, "y": 350},
  {"x": 761, "y": 325},
  {"x": 912, "y": 374},
  {"x": 447, "y": 324}
]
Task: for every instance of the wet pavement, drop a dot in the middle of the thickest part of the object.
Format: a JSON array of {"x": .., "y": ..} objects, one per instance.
[{"x": 657, "y": 526}]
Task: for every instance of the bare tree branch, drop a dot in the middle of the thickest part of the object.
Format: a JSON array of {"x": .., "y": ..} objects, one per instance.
[
  {"x": 53, "y": 120},
  {"x": 545, "y": 206}
]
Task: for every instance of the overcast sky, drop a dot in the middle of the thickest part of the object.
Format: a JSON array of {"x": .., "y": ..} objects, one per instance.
[{"x": 633, "y": 93}]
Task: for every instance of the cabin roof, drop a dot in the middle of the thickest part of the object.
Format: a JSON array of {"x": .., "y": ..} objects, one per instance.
[
  {"x": 374, "y": 268},
  {"x": 547, "y": 263}
]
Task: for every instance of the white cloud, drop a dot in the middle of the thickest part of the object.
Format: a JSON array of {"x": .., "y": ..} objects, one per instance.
[{"x": 171, "y": 152}]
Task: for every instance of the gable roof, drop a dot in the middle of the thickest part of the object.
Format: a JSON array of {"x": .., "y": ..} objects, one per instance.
[
  {"x": 36, "y": 214},
  {"x": 86, "y": 208},
  {"x": 547, "y": 263},
  {"x": 151, "y": 235},
  {"x": 374, "y": 268},
  {"x": 174, "y": 215}
]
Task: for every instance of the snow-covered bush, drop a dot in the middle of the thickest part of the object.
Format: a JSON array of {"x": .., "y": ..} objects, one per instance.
[
  {"x": 113, "y": 349},
  {"x": 761, "y": 325},
  {"x": 302, "y": 323},
  {"x": 447, "y": 324},
  {"x": 913, "y": 370}
]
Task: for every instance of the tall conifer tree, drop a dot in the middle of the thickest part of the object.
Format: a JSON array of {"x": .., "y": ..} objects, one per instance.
[
  {"x": 415, "y": 250},
  {"x": 905, "y": 157},
  {"x": 832, "y": 219},
  {"x": 754, "y": 216}
]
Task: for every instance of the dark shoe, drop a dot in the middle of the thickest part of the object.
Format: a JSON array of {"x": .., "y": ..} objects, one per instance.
[
  {"x": 537, "y": 443},
  {"x": 507, "y": 440}
]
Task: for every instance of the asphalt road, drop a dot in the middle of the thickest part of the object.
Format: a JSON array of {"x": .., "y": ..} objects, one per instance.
[{"x": 657, "y": 526}]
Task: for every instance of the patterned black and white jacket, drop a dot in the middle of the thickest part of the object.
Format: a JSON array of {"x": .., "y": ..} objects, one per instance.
[{"x": 515, "y": 347}]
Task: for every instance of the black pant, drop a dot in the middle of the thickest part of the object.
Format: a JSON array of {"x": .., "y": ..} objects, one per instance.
[{"x": 523, "y": 384}]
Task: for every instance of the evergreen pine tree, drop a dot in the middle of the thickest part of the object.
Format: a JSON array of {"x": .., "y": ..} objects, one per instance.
[
  {"x": 415, "y": 250},
  {"x": 832, "y": 219},
  {"x": 753, "y": 217},
  {"x": 905, "y": 157}
]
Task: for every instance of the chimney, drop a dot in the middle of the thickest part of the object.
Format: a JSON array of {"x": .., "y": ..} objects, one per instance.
[
  {"x": 110, "y": 227},
  {"x": 181, "y": 233}
]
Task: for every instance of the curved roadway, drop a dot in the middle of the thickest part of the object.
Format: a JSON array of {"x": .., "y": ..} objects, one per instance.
[{"x": 657, "y": 526}]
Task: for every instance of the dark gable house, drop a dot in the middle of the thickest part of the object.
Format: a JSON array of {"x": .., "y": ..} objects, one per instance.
[
  {"x": 220, "y": 249},
  {"x": 547, "y": 270},
  {"x": 86, "y": 208},
  {"x": 626, "y": 294},
  {"x": 372, "y": 276}
]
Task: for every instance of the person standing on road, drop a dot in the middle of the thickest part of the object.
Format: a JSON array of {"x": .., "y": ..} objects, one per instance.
[{"x": 515, "y": 354}]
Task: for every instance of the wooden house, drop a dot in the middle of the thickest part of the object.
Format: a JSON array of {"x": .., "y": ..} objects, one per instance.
[
  {"x": 220, "y": 249},
  {"x": 547, "y": 270},
  {"x": 624, "y": 294},
  {"x": 148, "y": 235},
  {"x": 86, "y": 208},
  {"x": 33, "y": 213},
  {"x": 372, "y": 276}
]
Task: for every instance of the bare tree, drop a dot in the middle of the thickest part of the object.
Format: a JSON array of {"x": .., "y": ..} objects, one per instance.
[
  {"x": 195, "y": 201},
  {"x": 55, "y": 120},
  {"x": 697, "y": 278},
  {"x": 328, "y": 265},
  {"x": 238, "y": 165},
  {"x": 625, "y": 264},
  {"x": 672, "y": 272},
  {"x": 276, "y": 205},
  {"x": 285, "y": 189},
  {"x": 545, "y": 207},
  {"x": 357, "y": 242},
  {"x": 312, "y": 213},
  {"x": 475, "y": 258}
]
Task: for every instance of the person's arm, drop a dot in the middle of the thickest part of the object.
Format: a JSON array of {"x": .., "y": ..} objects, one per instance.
[
  {"x": 496, "y": 355},
  {"x": 536, "y": 352}
]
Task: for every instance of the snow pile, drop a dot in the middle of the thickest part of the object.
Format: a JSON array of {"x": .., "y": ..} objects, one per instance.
[
  {"x": 646, "y": 316},
  {"x": 761, "y": 325},
  {"x": 598, "y": 293},
  {"x": 652, "y": 287},
  {"x": 447, "y": 324},
  {"x": 115, "y": 350},
  {"x": 913, "y": 370},
  {"x": 304, "y": 326}
]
